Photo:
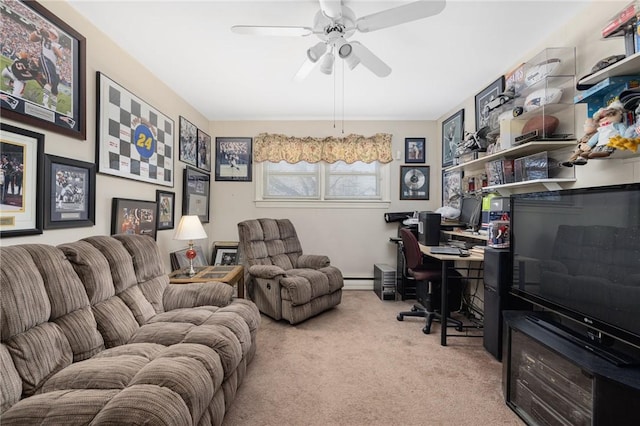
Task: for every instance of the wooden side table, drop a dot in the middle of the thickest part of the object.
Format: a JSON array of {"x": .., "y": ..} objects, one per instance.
[{"x": 229, "y": 274}]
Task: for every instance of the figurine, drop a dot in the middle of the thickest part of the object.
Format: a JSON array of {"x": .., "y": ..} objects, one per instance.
[
  {"x": 609, "y": 125},
  {"x": 590, "y": 129},
  {"x": 631, "y": 138}
]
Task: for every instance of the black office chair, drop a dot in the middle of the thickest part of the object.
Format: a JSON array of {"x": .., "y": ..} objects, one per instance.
[{"x": 428, "y": 274}]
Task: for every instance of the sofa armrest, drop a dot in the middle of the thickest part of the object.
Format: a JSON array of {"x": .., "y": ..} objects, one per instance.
[
  {"x": 312, "y": 261},
  {"x": 266, "y": 271},
  {"x": 212, "y": 293}
]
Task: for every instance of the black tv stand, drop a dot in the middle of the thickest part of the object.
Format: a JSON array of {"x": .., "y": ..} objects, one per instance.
[
  {"x": 549, "y": 379},
  {"x": 616, "y": 358}
]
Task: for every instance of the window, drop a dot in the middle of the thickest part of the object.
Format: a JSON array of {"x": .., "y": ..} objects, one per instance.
[{"x": 322, "y": 181}]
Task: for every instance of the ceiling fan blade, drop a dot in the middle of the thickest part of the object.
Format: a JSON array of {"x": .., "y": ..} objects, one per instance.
[
  {"x": 305, "y": 69},
  {"x": 272, "y": 30},
  {"x": 400, "y": 15},
  {"x": 369, "y": 60},
  {"x": 331, "y": 8}
]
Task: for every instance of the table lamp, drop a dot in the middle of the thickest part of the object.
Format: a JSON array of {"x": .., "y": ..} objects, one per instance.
[{"x": 190, "y": 229}]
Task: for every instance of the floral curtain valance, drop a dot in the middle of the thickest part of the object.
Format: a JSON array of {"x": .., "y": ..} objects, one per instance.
[{"x": 352, "y": 148}]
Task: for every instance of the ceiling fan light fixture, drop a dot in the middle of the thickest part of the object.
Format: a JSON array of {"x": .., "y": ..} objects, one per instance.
[
  {"x": 315, "y": 53},
  {"x": 345, "y": 50},
  {"x": 327, "y": 63}
]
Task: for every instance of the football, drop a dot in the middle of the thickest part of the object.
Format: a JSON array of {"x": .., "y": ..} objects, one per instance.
[
  {"x": 545, "y": 125},
  {"x": 540, "y": 97},
  {"x": 539, "y": 71}
]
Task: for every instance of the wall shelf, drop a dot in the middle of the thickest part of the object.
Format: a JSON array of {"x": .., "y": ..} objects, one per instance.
[
  {"x": 514, "y": 152},
  {"x": 548, "y": 184},
  {"x": 628, "y": 66}
]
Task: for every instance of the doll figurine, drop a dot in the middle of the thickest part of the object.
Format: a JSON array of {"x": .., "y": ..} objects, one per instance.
[
  {"x": 590, "y": 129},
  {"x": 631, "y": 138},
  {"x": 609, "y": 125}
]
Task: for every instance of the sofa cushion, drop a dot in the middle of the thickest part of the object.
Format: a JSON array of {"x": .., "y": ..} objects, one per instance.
[
  {"x": 11, "y": 384},
  {"x": 92, "y": 268},
  {"x": 38, "y": 353},
  {"x": 25, "y": 303},
  {"x": 66, "y": 407}
]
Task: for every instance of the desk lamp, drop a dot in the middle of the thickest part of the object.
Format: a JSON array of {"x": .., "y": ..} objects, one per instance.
[{"x": 190, "y": 229}]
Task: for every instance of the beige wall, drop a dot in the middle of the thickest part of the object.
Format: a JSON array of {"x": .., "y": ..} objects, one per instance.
[
  {"x": 104, "y": 56},
  {"x": 355, "y": 239},
  {"x": 583, "y": 32}
]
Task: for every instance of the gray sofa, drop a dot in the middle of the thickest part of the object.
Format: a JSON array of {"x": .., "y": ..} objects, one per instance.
[
  {"x": 93, "y": 333},
  {"x": 284, "y": 282}
]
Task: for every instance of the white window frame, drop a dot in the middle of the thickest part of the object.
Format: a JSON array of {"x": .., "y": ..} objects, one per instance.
[{"x": 382, "y": 203}]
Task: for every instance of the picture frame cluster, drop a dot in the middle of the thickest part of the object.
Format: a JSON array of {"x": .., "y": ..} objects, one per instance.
[
  {"x": 194, "y": 146},
  {"x": 414, "y": 178}
]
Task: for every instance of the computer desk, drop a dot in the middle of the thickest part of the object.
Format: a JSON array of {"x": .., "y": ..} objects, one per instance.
[{"x": 448, "y": 261}]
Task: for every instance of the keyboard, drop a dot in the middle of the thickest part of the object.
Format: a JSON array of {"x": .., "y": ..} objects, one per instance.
[{"x": 455, "y": 251}]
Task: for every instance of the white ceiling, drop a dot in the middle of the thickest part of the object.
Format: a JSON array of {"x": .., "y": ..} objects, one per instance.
[{"x": 437, "y": 62}]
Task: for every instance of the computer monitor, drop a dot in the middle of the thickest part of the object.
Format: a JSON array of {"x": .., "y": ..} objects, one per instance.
[{"x": 470, "y": 212}]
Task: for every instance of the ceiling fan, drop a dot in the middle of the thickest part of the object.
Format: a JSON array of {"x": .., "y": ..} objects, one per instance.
[{"x": 334, "y": 23}]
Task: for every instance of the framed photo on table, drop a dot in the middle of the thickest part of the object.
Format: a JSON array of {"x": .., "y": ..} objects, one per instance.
[
  {"x": 196, "y": 193},
  {"x": 233, "y": 159},
  {"x": 452, "y": 133},
  {"x": 133, "y": 217},
  {"x": 414, "y": 150},
  {"x": 224, "y": 253},
  {"x": 487, "y": 94},
  {"x": 50, "y": 94},
  {"x": 204, "y": 151},
  {"x": 70, "y": 193},
  {"x": 135, "y": 140},
  {"x": 188, "y": 145},
  {"x": 21, "y": 181},
  {"x": 414, "y": 182},
  {"x": 179, "y": 258},
  {"x": 166, "y": 201}
]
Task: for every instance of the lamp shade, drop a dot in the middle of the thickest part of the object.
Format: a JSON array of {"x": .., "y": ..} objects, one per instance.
[
  {"x": 314, "y": 53},
  {"x": 327, "y": 64},
  {"x": 190, "y": 228}
]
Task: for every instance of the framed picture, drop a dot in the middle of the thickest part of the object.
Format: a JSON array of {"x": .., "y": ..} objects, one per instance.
[
  {"x": 204, "y": 151},
  {"x": 188, "y": 142},
  {"x": 452, "y": 188},
  {"x": 452, "y": 133},
  {"x": 166, "y": 201},
  {"x": 487, "y": 94},
  {"x": 195, "y": 193},
  {"x": 135, "y": 140},
  {"x": 414, "y": 182},
  {"x": 21, "y": 181},
  {"x": 515, "y": 79},
  {"x": 225, "y": 253},
  {"x": 70, "y": 193},
  {"x": 233, "y": 159},
  {"x": 179, "y": 258},
  {"x": 50, "y": 94},
  {"x": 133, "y": 217},
  {"x": 414, "y": 150}
]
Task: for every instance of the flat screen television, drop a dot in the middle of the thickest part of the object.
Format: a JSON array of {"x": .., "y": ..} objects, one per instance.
[{"x": 576, "y": 253}]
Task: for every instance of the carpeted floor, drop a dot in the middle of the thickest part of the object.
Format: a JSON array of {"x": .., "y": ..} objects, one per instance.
[{"x": 357, "y": 365}]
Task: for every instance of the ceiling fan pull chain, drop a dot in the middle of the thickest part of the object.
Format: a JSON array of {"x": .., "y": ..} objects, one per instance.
[{"x": 343, "y": 77}]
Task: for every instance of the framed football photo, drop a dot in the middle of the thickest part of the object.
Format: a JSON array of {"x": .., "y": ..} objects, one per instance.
[{"x": 43, "y": 69}]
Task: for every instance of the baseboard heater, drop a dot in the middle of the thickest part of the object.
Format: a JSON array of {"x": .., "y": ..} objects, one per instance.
[{"x": 358, "y": 283}]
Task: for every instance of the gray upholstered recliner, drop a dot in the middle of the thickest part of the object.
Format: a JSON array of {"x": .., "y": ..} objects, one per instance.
[{"x": 283, "y": 282}]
